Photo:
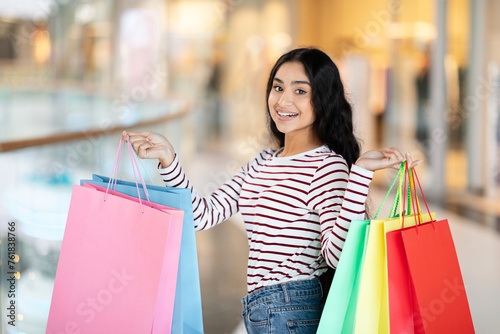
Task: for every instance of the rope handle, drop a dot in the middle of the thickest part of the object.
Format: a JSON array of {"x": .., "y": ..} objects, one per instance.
[
  {"x": 388, "y": 192},
  {"x": 411, "y": 174},
  {"x": 114, "y": 174}
]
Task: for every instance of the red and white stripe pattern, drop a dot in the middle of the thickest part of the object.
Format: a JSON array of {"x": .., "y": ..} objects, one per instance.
[{"x": 297, "y": 211}]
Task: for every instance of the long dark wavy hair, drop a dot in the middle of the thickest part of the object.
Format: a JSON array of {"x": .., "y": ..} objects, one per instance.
[{"x": 333, "y": 113}]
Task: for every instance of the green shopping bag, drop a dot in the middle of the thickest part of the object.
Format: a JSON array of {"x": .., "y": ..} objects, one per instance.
[{"x": 340, "y": 307}]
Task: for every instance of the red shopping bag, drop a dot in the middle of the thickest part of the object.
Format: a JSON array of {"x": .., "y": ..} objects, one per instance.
[
  {"x": 110, "y": 269},
  {"x": 403, "y": 307},
  {"x": 424, "y": 270},
  {"x": 404, "y": 315},
  {"x": 436, "y": 276}
]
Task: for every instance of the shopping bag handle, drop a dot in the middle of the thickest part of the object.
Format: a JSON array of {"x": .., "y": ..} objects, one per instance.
[
  {"x": 134, "y": 166},
  {"x": 412, "y": 198},
  {"x": 411, "y": 174},
  {"x": 134, "y": 161},
  {"x": 399, "y": 195},
  {"x": 120, "y": 163},
  {"x": 139, "y": 167},
  {"x": 396, "y": 200},
  {"x": 423, "y": 196}
]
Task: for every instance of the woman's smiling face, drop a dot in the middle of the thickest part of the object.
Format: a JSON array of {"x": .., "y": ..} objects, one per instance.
[{"x": 290, "y": 102}]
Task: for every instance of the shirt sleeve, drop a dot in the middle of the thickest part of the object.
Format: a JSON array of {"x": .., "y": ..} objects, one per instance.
[
  {"x": 210, "y": 210},
  {"x": 339, "y": 196}
]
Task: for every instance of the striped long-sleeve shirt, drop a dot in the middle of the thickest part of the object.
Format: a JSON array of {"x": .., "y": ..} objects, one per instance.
[{"x": 296, "y": 210}]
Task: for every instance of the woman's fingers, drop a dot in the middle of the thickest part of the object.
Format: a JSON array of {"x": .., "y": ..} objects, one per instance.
[
  {"x": 416, "y": 163},
  {"x": 409, "y": 160},
  {"x": 386, "y": 158},
  {"x": 398, "y": 156},
  {"x": 151, "y": 145},
  {"x": 394, "y": 157},
  {"x": 393, "y": 154},
  {"x": 134, "y": 136},
  {"x": 412, "y": 163},
  {"x": 139, "y": 142},
  {"x": 141, "y": 148}
]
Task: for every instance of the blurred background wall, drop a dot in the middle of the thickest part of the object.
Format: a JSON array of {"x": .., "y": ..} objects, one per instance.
[{"x": 421, "y": 75}]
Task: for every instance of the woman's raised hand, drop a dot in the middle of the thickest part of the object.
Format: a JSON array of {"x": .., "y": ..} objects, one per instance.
[
  {"x": 151, "y": 145},
  {"x": 387, "y": 158}
]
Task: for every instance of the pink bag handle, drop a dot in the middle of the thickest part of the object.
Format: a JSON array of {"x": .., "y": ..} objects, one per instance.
[
  {"x": 117, "y": 158},
  {"x": 134, "y": 166},
  {"x": 134, "y": 162}
]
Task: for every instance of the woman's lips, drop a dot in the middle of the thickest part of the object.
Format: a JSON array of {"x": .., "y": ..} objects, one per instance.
[{"x": 286, "y": 115}]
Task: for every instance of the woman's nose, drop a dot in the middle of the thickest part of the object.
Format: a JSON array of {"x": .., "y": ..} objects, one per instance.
[{"x": 285, "y": 99}]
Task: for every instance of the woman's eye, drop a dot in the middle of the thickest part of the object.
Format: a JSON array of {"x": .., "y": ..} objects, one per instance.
[
  {"x": 300, "y": 91},
  {"x": 278, "y": 88}
]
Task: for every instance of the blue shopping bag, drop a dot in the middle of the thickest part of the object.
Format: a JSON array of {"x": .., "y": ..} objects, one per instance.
[{"x": 188, "y": 318}]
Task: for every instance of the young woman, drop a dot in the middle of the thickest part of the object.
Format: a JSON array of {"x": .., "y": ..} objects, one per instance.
[{"x": 298, "y": 201}]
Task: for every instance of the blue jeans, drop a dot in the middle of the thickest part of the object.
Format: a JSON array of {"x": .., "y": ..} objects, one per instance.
[{"x": 293, "y": 307}]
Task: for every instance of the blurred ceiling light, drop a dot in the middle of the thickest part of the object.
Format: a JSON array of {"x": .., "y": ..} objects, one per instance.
[
  {"x": 424, "y": 30},
  {"x": 255, "y": 43},
  {"x": 139, "y": 27},
  {"x": 399, "y": 30},
  {"x": 33, "y": 10},
  {"x": 85, "y": 13},
  {"x": 195, "y": 17},
  {"x": 281, "y": 41},
  {"x": 40, "y": 41},
  {"x": 406, "y": 30}
]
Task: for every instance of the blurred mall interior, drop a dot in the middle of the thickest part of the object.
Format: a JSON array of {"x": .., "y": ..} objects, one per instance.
[{"x": 421, "y": 75}]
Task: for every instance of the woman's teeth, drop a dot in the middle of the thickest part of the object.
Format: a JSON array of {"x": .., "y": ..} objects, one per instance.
[{"x": 282, "y": 114}]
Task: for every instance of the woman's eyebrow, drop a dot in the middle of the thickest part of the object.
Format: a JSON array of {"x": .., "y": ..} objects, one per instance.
[
  {"x": 295, "y": 82},
  {"x": 298, "y": 82}
]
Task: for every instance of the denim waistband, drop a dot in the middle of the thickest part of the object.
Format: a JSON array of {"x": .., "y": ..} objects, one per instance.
[{"x": 283, "y": 290}]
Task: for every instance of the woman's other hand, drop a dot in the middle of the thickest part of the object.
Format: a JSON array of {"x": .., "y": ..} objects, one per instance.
[
  {"x": 151, "y": 145},
  {"x": 387, "y": 158}
]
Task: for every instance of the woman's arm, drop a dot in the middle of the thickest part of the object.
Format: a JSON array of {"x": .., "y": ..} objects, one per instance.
[
  {"x": 208, "y": 211},
  {"x": 340, "y": 195}
]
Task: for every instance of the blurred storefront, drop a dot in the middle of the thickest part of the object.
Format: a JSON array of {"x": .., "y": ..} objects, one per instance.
[
  {"x": 218, "y": 54},
  {"x": 422, "y": 75}
]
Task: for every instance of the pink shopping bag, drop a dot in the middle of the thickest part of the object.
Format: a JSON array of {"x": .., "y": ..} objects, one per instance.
[
  {"x": 166, "y": 291},
  {"x": 112, "y": 265}
]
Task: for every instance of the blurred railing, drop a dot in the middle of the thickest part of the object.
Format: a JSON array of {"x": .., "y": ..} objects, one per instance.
[{"x": 69, "y": 136}]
